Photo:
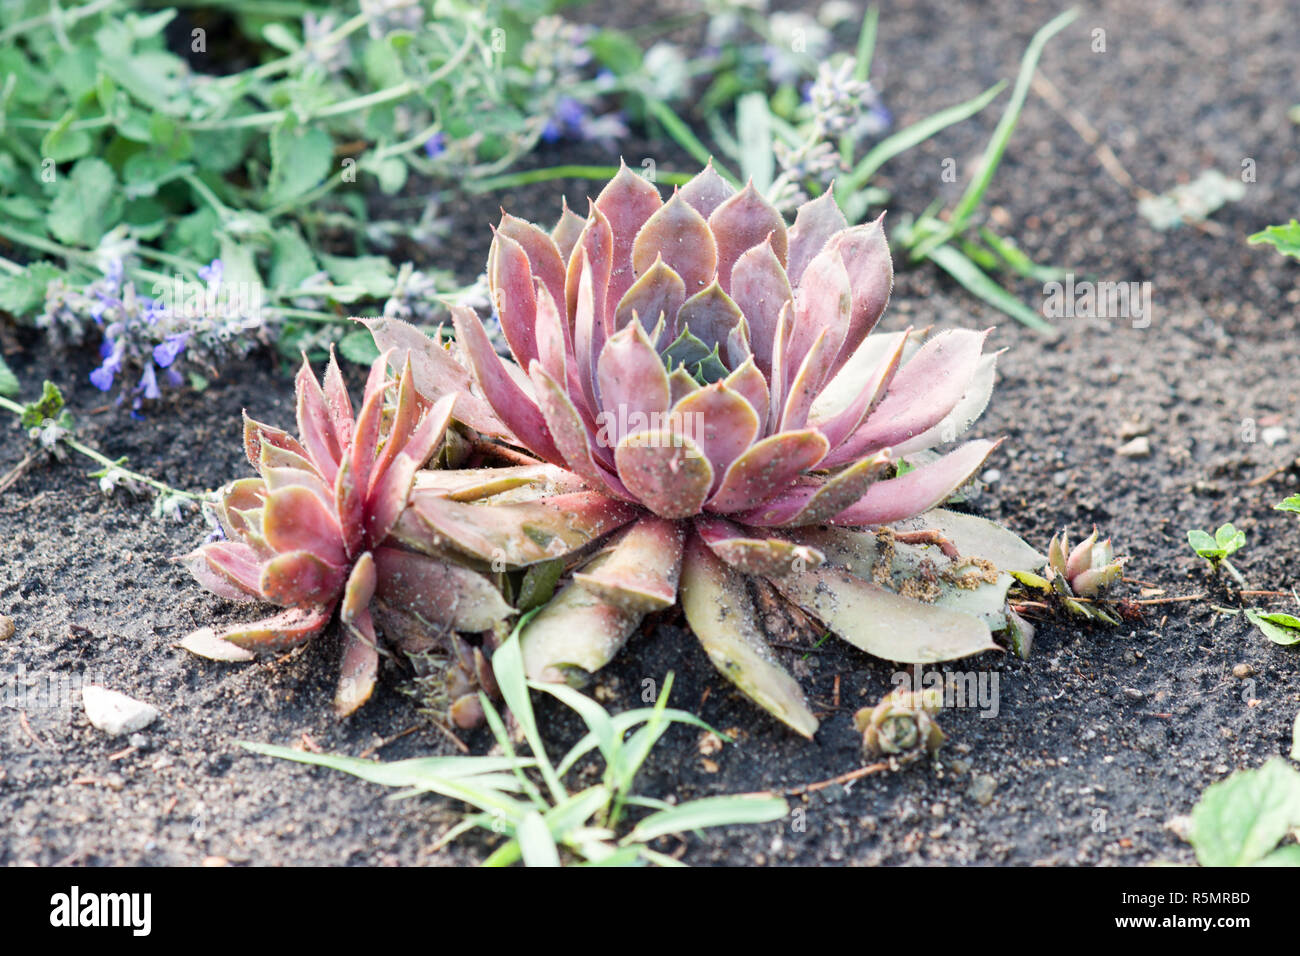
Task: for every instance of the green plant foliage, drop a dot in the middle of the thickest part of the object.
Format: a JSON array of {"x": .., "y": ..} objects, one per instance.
[
  {"x": 524, "y": 799},
  {"x": 1285, "y": 239},
  {"x": 1242, "y": 820}
]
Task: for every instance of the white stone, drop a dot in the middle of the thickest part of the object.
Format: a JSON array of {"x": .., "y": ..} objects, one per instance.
[
  {"x": 1273, "y": 435},
  {"x": 1139, "y": 447},
  {"x": 115, "y": 713}
]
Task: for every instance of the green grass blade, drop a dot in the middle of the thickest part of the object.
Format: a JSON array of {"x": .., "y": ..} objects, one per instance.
[
  {"x": 529, "y": 176},
  {"x": 506, "y": 854},
  {"x": 8, "y": 380},
  {"x": 905, "y": 139},
  {"x": 974, "y": 281},
  {"x": 536, "y": 845},
  {"x": 464, "y": 788},
  {"x": 754, "y": 128},
  {"x": 508, "y": 668},
  {"x": 570, "y": 814},
  {"x": 866, "y": 45},
  {"x": 1013, "y": 256},
  {"x": 710, "y": 812},
  {"x": 1011, "y": 115},
  {"x": 676, "y": 127},
  {"x": 593, "y": 715}
]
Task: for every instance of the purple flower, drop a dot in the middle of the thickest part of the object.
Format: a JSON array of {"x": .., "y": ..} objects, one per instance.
[
  {"x": 211, "y": 273},
  {"x": 149, "y": 383},
  {"x": 435, "y": 145},
  {"x": 164, "y": 353},
  {"x": 102, "y": 377}
]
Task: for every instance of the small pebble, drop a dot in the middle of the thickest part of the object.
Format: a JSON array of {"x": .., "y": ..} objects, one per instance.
[
  {"x": 1243, "y": 671},
  {"x": 115, "y": 713},
  {"x": 6, "y": 627},
  {"x": 981, "y": 789},
  {"x": 1133, "y": 429},
  {"x": 991, "y": 476},
  {"x": 1139, "y": 447},
  {"x": 1132, "y": 693},
  {"x": 1273, "y": 436}
]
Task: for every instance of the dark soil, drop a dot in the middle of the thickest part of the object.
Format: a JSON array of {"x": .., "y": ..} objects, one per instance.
[{"x": 1101, "y": 737}]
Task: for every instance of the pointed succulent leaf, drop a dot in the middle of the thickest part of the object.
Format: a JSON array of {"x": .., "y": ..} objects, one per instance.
[
  {"x": 566, "y": 233},
  {"x": 359, "y": 590},
  {"x": 865, "y": 253},
  {"x": 315, "y": 426},
  {"x": 882, "y": 623},
  {"x": 769, "y": 466},
  {"x": 515, "y": 534},
  {"x": 1080, "y": 557},
  {"x": 821, "y": 307},
  {"x": 918, "y": 490},
  {"x": 299, "y": 578},
  {"x": 256, "y": 433},
  {"x": 446, "y": 594},
  {"x": 707, "y": 191},
  {"x": 814, "y": 224},
  {"x": 760, "y": 288},
  {"x": 289, "y": 628},
  {"x": 666, "y": 471},
  {"x": 817, "y": 503},
  {"x": 634, "y": 391},
  {"x": 658, "y": 292},
  {"x": 743, "y": 550},
  {"x": 297, "y": 520},
  {"x": 924, "y": 392},
  {"x": 643, "y": 567},
  {"x": 515, "y": 298},
  {"x": 360, "y": 667},
  {"x": 436, "y": 373},
  {"x": 577, "y": 445},
  {"x": 721, "y": 612},
  {"x": 628, "y": 202},
  {"x": 238, "y": 496},
  {"x": 594, "y": 254},
  {"x": 722, "y": 423},
  {"x": 517, "y": 410},
  {"x": 228, "y": 569},
  {"x": 679, "y": 235},
  {"x": 802, "y": 389},
  {"x": 576, "y": 629},
  {"x": 838, "y": 421},
  {"x": 964, "y": 414},
  {"x": 544, "y": 259},
  {"x": 337, "y": 401},
  {"x": 742, "y": 222},
  {"x": 750, "y": 383}
]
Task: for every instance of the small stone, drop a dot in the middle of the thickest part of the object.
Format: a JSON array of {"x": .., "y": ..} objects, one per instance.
[
  {"x": 1060, "y": 478},
  {"x": 6, "y": 627},
  {"x": 1273, "y": 436},
  {"x": 1132, "y": 693},
  {"x": 708, "y": 765},
  {"x": 115, "y": 713},
  {"x": 710, "y": 743},
  {"x": 1139, "y": 447},
  {"x": 138, "y": 741},
  {"x": 981, "y": 789},
  {"x": 991, "y": 476},
  {"x": 1133, "y": 428},
  {"x": 1243, "y": 671}
]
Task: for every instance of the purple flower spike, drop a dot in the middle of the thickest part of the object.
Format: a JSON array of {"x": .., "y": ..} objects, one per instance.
[{"x": 165, "y": 353}]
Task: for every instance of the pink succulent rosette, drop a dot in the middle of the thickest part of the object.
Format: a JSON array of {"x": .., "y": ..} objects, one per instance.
[
  {"x": 311, "y": 534},
  {"x": 705, "y": 381}
]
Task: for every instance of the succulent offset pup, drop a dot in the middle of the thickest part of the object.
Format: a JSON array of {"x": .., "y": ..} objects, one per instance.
[
  {"x": 312, "y": 533},
  {"x": 706, "y": 376}
]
